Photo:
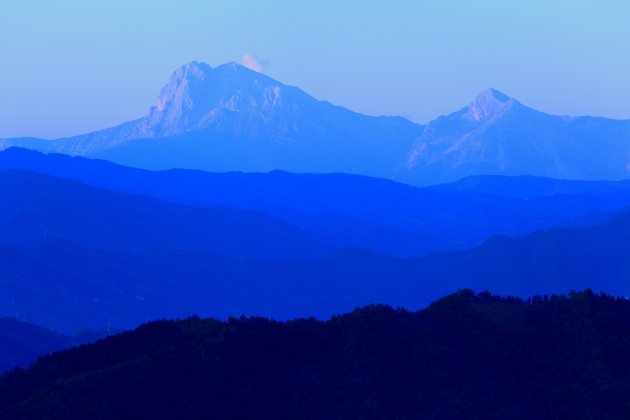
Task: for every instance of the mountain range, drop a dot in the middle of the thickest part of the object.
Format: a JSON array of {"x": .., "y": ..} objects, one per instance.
[
  {"x": 51, "y": 283},
  {"x": 37, "y": 207},
  {"x": 498, "y": 135},
  {"x": 332, "y": 211},
  {"x": 230, "y": 118},
  {"x": 113, "y": 269},
  {"x": 310, "y": 210}
]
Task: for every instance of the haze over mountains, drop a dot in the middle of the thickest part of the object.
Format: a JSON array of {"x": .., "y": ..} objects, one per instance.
[
  {"x": 242, "y": 247},
  {"x": 311, "y": 209},
  {"x": 36, "y": 208},
  {"x": 497, "y": 135},
  {"x": 121, "y": 246},
  {"x": 54, "y": 281},
  {"x": 232, "y": 118},
  {"x": 333, "y": 211}
]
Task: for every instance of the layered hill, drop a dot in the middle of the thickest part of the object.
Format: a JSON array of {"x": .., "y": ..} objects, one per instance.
[
  {"x": 467, "y": 355},
  {"x": 22, "y": 343},
  {"x": 37, "y": 208},
  {"x": 529, "y": 187},
  {"x": 233, "y": 118},
  {"x": 230, "y": 118},
  {"x": 498, "y": 135},
  {"x": 346, "y": 211},
  {"x": 51, "y": 283}
]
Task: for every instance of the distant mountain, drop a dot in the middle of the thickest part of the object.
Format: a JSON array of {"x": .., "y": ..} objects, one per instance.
[
  {"x": 466, "y": 356},
  {"x": 231, "y": 118},
  {"x": 347, "y": 211},
  {"x": 21, "y": 343},
  {"x": 497, "y": 135},
  {"x": 37, "y": 207},
  {"x": 529, "y": 186}
]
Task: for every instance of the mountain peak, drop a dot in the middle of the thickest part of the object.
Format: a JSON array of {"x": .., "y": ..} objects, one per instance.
[
  {"x": 196, "y": 66},
  {"x": 489, "y": 105},
  {"x": 194, "y": 69},
  {"x": 492, "y": 94},
  {"x": 235, "y": 67},
  {"x": 229, "y": 96}
]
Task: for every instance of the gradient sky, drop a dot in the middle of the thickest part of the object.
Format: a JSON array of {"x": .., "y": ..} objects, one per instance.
[{"x": 72, "y": 66}]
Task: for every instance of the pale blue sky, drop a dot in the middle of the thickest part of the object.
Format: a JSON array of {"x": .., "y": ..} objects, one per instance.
[{"x": 71, "y": 66}]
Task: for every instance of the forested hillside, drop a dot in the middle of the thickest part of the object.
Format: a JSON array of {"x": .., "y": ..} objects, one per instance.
[{"x": 467, "y": 356}]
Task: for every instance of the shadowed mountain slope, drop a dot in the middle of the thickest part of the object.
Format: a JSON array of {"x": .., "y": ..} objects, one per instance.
[
  {"x": 498, "y": 135},
  {"x": 37, "y": 207},
  {"x": 51, "y": 283},
  {"x": 21, "y": 343},
  {"x": 360, "y": 212}
]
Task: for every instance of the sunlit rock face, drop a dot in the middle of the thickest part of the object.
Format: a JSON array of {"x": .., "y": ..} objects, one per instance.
[
  {"x": 230, "y": 117},
  {"x": 229, "y": 98}
]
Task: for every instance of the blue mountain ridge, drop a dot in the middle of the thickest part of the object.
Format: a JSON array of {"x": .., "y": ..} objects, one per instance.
[
  {"x": 347, "y": 211},
  {"x": 120, "y": 258},
  {"x": 230, "y": 118},
  {"x": 51, "y": 283}
]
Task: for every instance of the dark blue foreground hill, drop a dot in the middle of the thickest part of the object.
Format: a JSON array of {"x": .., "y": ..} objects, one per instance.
[{"x": 466, "y": 356}]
